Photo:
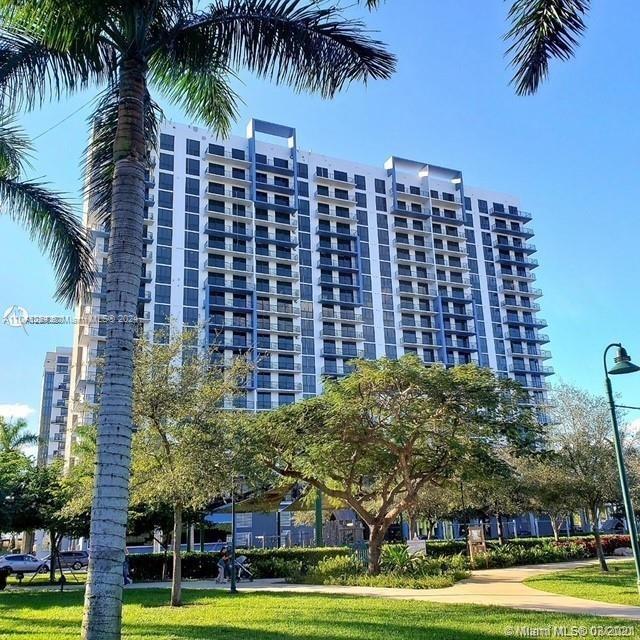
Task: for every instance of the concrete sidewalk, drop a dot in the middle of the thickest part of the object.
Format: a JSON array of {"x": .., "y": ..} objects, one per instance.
[{"x": 499, "y": 587}]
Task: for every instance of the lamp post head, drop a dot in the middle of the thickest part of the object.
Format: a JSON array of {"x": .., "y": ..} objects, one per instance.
[{"x": 623, "y": 363}]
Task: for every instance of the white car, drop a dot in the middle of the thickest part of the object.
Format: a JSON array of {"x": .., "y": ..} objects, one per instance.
[{"x": 23, "y": 563}]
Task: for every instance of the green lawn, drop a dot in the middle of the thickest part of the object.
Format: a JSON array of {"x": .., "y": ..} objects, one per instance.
[
  {"x": 618, "y": 585},
  {"x": 251, "y": 616}
]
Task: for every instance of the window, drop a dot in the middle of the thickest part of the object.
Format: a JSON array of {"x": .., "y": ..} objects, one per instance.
[
  {"x": 166, "y": 162},
  {"x": 360, "y": 181},
  {"x": 483, "y": 207},
  {"x": 381, "y": 203},
  {"x": 165, "y": 181},
  {"x": 193, "y": 147},
  {"x": 192, "y": 186},
  {"x": 380, "y": 186},
  {"x": 303, "y": 170},
  {"x": 244, "y": 520},
  {"x": 192, "y": 167},
  {"x": 167, "y": 142}
]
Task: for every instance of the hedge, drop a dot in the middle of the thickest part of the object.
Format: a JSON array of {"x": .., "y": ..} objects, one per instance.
[{"x": 265, "y": 563}]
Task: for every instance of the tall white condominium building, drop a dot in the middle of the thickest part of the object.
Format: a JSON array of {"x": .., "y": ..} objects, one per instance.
[
  {"x": 309, "y": 261},
  {"x": 54, "y": 405}
]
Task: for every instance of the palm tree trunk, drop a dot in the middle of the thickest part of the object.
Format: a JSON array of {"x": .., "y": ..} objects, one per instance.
[
  {"x": 103, "y": 596},
  {"x": 176, "y": 582}
]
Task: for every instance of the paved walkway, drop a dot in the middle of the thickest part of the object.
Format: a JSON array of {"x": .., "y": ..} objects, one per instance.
[{"x": 500, "y": 587}]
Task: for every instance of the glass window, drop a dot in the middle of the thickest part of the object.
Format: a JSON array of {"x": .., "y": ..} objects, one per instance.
[
  {"x": 167, "y": 142},
  {"x": 193, "y": 147},
  {"x": 192, "y": 167}
]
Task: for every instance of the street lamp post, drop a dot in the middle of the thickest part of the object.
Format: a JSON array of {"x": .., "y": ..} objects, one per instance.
[
  {"x": 318, "y": 509},
  {"x": 232, "y": 585},
  {"x": 623, "y": 365}
]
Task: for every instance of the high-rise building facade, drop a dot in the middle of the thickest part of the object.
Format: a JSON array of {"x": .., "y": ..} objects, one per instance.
[
  {"x": 307, "y": 261},
  {"x": 54, "y": 405}
]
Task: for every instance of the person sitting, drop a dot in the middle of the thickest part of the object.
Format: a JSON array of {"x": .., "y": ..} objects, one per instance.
[{"x": 223, "y": 566}]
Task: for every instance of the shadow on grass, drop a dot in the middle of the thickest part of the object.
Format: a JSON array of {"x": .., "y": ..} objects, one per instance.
[{"x": 265, "y": 616}]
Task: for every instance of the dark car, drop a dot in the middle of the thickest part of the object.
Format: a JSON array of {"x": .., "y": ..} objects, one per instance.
[{"x": 75, "y": 560}]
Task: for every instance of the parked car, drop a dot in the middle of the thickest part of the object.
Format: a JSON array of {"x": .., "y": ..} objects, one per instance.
[
  {"x": 23, "y": 563},
  {"x": 75, "y": 560}
]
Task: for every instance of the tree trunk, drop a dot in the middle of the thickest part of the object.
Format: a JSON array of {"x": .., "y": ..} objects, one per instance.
[
  {"x": 176, "y": 580},
  {"x": 500, "y": 528},
  {"x": 413, "y": 527},
  {"x": 102, "y": 618},
  {"x": 555, "y": 526},
  {"x": 27, "y": 542},
  {"x": 53, "y": 556},
  {"x": 376, "y": 538},
  {"x": 596, "y": 536}
]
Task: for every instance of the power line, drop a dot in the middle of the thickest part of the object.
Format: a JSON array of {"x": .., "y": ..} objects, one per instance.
[{"x": 57, "y": 124}]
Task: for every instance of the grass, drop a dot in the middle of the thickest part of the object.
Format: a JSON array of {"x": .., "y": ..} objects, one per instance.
[
  {"x": 617, "y": 586},
  {"x": 42, "y": 579},
  {"x": 261, "y": 616}
]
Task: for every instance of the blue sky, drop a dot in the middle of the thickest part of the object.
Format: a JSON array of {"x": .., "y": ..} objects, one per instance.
[{"x": 569, "y": 153}]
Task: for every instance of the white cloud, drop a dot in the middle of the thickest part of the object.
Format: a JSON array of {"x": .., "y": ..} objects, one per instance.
[
  {"x": 634, "y": 426},
  {"x": 16, "y": 410}
]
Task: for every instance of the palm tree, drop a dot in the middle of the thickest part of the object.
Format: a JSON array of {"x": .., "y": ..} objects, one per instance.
[
  {"x": 14, "y": 437},
  {"x": 48, "y": 218},
  {"x": 542, "y": 30},
  {"x": 52, "y": 47}
]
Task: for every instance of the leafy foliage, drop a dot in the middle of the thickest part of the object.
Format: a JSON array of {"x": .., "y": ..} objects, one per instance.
[{"x": 542, "y": 30}]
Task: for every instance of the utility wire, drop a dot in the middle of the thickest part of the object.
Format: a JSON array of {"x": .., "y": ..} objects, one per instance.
[{"x": 57, "y": 124}]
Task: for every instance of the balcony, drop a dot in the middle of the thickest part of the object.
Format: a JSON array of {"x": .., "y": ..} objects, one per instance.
[
  {"x": 277, "y": 219},
  {"x": 335, "y": 372},
  {"x": 277, "y": 273},
  {"x": 456, "y": 361},
  {"x": 528, "y": 322},
  {"x": 543, "y": 354},
  {"x": 328, "y": 298},
  {"x": 509, "y": 274},
  {"x": 417, "y": 195},
  {"x": 240, "y": 197},
  {"x": 341, "y": 353},
  {"x": 339, "y": 335},
  {"x": 289, "y": 256},
  {"x": 230, "y": 177},
  {"x": 228, "y": 231},
  {"x": 229, "y": 285},
  {"x": 237, "y": 403},
  {"x": 412, "y": 325},
  {"x": 228, "y": 247},
  {"x": 240, "y": 159},
  {"x": 400, "y": 208},
  {"x": 405, "y": 228},
  {"x": 229, "y": 212},
  {"x": 527, "y": 291},
  {"x": 337, "y": 282},
  {"x": 415, "y": 275},
  {"x": 528, "y": 336},
  {"x": 455, "y": 251},
  {"x": 332, "y": 215},
  {"x": 273, "y": 327},
  {"x": 531, "y": 369},
  {"x": 226, "y": 266},
  {"x": 529, "y": 263},
  {"x": 278, "y": 291},
  {"x": 325, "y": 263},
  {"x": 510, "y": 246},
  {"x": 415, "y": 291},
  {"x": 274, "y": 238},
  {"x": 445, "y": 198},
  {"x": 337, "y": 249},
  {"x": 229, "y": 345},
  {"x": 278, "y": 309},
  {"x": 520, "y": 232},
  {"x": 343, "y": 315},
  {"x": 521, "y": 216},
  {"x": 527, "y": 306},
  {"x": 349, "y": 183},
  {"x": 266, "y": 364},
  {"x": 276, "y": 346},
  {"x": 444, "y": 233},
  {"x": 462, "y": 281},
  {"x": 412, "y": 307},
  {"x": 408, "y": 243},
  {"x": 333, "y": 199}
]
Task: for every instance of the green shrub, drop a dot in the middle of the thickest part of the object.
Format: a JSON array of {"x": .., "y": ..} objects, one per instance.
[{"x": 264, "y": 562}]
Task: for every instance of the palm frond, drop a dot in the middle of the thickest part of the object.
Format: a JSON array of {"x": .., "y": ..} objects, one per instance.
[
  {"x": 51, "y": 222},
  {"x": 97, "y": 158},
  {"x": 542, "y": 30},
  {"x": 203, "y": 95},
  {"x": 305, "y": 46},
  {"x": 31, "y": 72},
  {"x": 14, "y": 147}
]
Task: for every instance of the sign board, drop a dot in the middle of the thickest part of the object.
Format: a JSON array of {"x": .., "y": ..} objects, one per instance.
[
  {"x": 416, "y": 546},
  {"x": 476, "y": 540}
]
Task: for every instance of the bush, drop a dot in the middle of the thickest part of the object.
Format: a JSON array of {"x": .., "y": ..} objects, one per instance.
[
  {"x": 399, "y": 570},
  {"x": 266, "y": 563},
  {"x": 510, "y": 555}
]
